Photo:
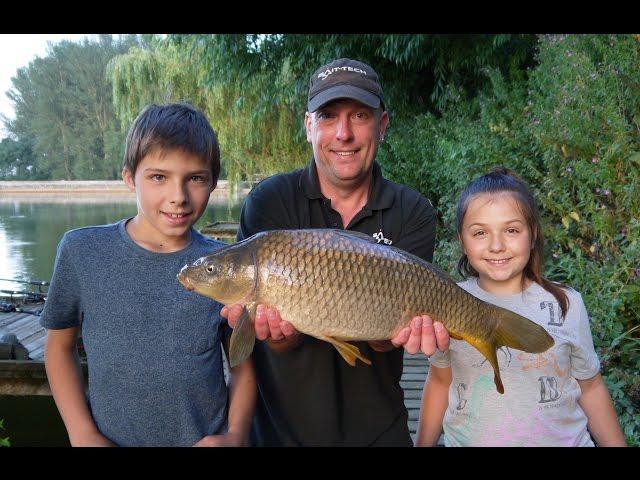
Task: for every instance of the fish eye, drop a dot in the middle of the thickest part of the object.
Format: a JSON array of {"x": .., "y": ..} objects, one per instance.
[{"x": 210, "y": 268}]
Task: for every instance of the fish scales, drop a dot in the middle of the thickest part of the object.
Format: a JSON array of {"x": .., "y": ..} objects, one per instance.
[{"x": 360, "y": 299}]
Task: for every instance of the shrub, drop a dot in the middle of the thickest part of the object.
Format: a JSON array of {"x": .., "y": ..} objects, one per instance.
[{"x": 571, "y": 128}]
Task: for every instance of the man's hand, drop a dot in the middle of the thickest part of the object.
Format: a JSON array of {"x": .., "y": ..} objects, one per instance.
[
  {"x": 268, "y": 323},
  {"x": 422, "y": 335}
]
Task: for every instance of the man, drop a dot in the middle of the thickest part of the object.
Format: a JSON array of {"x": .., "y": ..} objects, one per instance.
[{"x": 308, "y": 395}]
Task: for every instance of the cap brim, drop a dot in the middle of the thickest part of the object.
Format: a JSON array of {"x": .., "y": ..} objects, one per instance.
[{"x": 343, "y": 91}]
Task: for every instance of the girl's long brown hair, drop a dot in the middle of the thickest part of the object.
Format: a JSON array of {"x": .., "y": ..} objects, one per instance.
[{"x": 500, "y": 180}]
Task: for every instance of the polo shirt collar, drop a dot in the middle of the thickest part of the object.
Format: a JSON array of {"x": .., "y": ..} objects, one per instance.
[{"x": 379, "y": 199}]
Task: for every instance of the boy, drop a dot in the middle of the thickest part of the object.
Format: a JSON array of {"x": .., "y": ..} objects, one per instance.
[{"x": 153, "y": 348}]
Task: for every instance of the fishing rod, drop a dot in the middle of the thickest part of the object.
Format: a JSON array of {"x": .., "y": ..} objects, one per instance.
[{"x": 28, "y": 282}]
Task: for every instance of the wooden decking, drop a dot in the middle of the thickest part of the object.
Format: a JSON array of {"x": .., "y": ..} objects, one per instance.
[
  {"x": 25, "y": 325},
  {"x": 414, "y": 374}
]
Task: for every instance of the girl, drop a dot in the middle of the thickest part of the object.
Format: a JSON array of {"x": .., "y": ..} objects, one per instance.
[{"x": 556, "y": 398}]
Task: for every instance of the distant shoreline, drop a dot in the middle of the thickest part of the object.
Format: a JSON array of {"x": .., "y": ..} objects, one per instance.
[{"x": 95, "y": 186}]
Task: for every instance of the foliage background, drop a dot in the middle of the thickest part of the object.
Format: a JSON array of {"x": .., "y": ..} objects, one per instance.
[{"x": 561, "y": 110}]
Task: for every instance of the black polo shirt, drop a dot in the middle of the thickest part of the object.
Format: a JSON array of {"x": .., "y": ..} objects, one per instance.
[{"x": 309, "y": 395}]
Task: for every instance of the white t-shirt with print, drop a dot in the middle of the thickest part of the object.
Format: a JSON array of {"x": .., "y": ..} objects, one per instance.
[{"x": 540, "y": 404}]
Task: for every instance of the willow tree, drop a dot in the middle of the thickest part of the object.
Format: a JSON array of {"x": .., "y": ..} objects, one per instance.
[{"x": 253, "y": 139}]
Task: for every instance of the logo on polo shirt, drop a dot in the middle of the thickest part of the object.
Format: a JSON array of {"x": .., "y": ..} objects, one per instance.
[
  {"x": 380, "y": 238},
  {"x": 331, "y": 71}
]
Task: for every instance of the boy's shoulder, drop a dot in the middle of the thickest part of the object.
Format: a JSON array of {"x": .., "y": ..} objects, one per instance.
[
  {"x": 207, "y": 243},
  {"x": 82, "y": 235}
]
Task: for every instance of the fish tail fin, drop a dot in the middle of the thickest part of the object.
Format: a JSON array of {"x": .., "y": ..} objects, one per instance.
[
  {"x": 348, "y": 351},
  {"x": 516, "y": 331},
  {"x": 243, "y": 338}
]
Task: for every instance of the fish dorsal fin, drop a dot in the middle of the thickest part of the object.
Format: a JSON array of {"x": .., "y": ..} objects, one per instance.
[
  {"x": 353, "y": 233},
  {"x": 414, "y": 258},
  {"x": 409, "y": 256}
]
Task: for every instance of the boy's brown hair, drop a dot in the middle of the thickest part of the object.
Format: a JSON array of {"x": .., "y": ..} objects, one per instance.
[{"x": 168, "y": 127}]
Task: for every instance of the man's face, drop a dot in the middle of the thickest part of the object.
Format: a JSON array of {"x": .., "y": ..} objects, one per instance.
[{"x": 345, "y": 135}]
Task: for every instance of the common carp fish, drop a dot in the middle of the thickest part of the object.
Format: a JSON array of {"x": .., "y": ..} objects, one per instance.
[{"x": 338, "y": 285}]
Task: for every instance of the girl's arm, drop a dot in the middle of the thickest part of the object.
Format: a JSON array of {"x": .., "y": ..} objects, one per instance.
[
  {"x": 601, "y": 414},
  {"x": 435, "y": 399},
  {"x": 62, "y": 364}
]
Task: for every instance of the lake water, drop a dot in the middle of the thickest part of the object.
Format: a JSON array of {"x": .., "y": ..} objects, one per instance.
[{"x": 31, "y": 227}]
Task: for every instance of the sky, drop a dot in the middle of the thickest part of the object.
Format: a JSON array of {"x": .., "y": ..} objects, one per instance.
[{"x": 16, "y": 51}]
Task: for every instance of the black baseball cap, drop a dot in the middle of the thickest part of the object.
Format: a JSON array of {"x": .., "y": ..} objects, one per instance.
[{"x": 344, "y": 78}]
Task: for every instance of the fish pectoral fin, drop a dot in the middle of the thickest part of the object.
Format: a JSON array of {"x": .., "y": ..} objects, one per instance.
[
  {"x": 348, "y": 351},
  {"x": 243, "y": 337},
  {"x": 489, "y": 352}
]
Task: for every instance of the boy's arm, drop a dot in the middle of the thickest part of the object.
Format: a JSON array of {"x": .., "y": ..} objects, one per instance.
[
  {"x": 242, "y": 401},
  {"x": 62, "y": 364},
  {"x": 435, "y": 399},
  {"x": 601, "y": 415}
]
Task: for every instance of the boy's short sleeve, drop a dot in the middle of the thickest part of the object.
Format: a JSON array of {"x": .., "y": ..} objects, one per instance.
[
  {"x": 584, "y": 360},
  {"x": 62, "y": 308},
  {"x": 440, "y": 359}
]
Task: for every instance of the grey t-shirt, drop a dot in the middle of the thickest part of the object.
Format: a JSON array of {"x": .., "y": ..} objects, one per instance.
[
  {"x": 153, "y": 348},
  {"x": 540, "y": 404}
]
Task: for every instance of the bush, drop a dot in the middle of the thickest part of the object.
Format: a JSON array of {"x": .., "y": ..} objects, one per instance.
[{"x": 571, "y": 129}]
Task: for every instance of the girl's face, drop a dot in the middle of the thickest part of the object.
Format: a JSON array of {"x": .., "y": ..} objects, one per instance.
[{"x": 497, "y": 241}]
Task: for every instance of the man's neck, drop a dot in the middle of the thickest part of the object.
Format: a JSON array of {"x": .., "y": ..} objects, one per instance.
[{"x": 347, "y": 201}]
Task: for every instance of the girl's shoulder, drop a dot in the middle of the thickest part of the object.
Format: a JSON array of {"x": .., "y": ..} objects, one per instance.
[{"x": 470, "y": 284}]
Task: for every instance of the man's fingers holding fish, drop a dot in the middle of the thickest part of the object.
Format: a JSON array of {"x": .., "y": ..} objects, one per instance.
[{"x": 232, "y": 314}]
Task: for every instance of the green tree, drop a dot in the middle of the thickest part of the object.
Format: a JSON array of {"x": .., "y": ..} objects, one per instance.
[
  {"x": 63, "y": 102},
  {"x": 17, "y": 161}
]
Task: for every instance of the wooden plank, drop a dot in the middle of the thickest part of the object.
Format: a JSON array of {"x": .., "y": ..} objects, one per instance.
[
  {"x": 413, "y": 403},
  {"x": 37, "y": 354},
  {"x": 16, "y": 325},
  {"x": 33, "y": 337},
  {"x": 412, "y": 385},
  {"x": 28, "y": 328},
  {"x": 419, "y": 377},
  {"x": 415, "y": 363},
  {"x": 414, "y": 413},
  {"x": 423, "y": 369},
  {"x": 38, "y": 344},
  {"x": 9, "y": 318}
]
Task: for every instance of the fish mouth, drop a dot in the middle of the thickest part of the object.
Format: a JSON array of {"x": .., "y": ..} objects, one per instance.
[{"x": 184, "y": 280}]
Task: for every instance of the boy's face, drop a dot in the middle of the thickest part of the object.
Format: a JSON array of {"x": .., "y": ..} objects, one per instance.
[{"x": 172, "y": 189}]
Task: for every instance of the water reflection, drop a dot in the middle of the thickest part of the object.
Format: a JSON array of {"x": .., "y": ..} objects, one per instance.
[{"x": 32, "y": 225}]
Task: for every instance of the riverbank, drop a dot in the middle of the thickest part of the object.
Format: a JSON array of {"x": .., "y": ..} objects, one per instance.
[{"x": 100, "y": 187}]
